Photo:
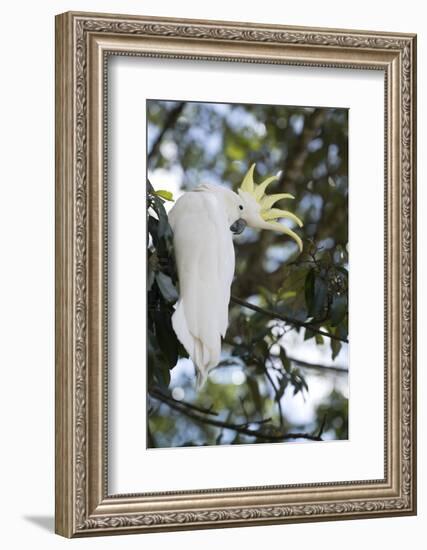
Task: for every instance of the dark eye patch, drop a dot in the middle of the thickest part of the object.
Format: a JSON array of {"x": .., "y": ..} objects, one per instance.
[{"x": 241, "y": 207}]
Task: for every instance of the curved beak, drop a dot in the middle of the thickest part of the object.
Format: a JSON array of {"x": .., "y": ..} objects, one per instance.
[{"x": 238, "y": 226}]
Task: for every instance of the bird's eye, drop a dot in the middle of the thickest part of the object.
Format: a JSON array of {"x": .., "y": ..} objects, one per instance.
[{"x": 241, "y": 207}]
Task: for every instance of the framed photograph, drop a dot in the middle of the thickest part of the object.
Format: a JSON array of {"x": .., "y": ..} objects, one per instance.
[{"x": 235, "y": 274}]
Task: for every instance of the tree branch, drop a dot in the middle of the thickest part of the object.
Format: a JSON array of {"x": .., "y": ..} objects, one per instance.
[
  {"x": 322, "y": 426},
  {"x": 306, "y": 365},
  {"x": 240, "y": 428},
  {"x": 163, "y": 397},
  {"x": 299, "y": 362},
  {"x": 286, "y": 319},
  {"x": 171, "y": 118},
  {"x": 276, "y": 394}
]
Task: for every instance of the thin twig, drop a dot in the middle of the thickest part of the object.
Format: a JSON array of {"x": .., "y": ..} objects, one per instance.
[
  {"x": 299, "y": 362},
  {"x": 306, "y": 365},
  {"x": 322, "y": 426},
  {"x": 277, "y": 398},
  {"x": 163, "y": 397},
  {"x": 286, "y": 319},
  {"x": 248, "y": 422},
  {"x": 190, "y": 413}
]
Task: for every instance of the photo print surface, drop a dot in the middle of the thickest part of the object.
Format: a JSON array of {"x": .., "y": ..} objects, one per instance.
[{"x": 247, "y": 274}]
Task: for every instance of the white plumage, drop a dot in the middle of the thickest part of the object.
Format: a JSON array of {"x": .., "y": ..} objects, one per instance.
[
  {"x": 204, "y": 254},
  {"x": 203, "y": 222}
]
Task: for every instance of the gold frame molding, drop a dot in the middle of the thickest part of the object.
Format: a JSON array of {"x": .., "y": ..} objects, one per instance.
[{"x": 83, "y": 43}]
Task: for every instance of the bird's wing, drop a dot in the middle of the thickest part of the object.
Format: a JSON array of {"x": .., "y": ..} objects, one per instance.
[{"x": 205, "y": 261}]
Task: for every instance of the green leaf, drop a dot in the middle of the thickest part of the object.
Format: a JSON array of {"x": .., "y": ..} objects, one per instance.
[
  {"x": 153, "y": 230},
  {"x": 335, "y": 348},
  {"x": 320, "y": 296},
  {"x": 338, "y": 309},
  {"x": 304, "y": 383},
  {"x": 298, "y": 381},
  {"x": 285, "y": 360},
  {"x": 164, "y": 229},
  {"x": 261, "y": 349},
  {"x": 316, "y": 293},
  {"x": 283, "y": 382},
  {"x": 150, "y": 278},
  {"x": 158, "y": 370},
  {"x": 319, "y": 339},
  {"x": 167, "y": 288},
  {"x": 342, "y": 328},
  {"x": 163, "y": 377},
  {"x": 166, "y": 337},
  {"x": 309, "y": 334},
  {"x": 167, "y": 195}
]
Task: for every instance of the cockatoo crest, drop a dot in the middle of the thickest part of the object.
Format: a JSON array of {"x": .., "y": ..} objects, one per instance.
[{"x": 258, "y": 211}]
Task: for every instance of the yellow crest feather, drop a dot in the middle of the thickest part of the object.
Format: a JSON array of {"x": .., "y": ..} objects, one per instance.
[
  {"x": 266, "y": 202},
  {"x": 248, "y": 180}
]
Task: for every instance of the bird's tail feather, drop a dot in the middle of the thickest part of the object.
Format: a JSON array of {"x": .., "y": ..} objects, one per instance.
[
  {"x": 203, "y": 357},
  {"x": 201, "y": 377}
]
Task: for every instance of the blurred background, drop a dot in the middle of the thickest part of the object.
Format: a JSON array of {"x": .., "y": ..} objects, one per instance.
[{"x": 283, "y": 374}]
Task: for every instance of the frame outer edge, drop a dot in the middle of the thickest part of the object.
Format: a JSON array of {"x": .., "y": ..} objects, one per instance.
[
  {"x": 64, "y": 237},
  {"x": 73, "y": 483},
  {"x": 413, "y": 252},
  {"x": 249, "y": 25},
  {"x": 414, "y": 256}
]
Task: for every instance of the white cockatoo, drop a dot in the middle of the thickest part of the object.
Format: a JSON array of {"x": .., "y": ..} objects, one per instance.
[{"x": 203, "y": 223}]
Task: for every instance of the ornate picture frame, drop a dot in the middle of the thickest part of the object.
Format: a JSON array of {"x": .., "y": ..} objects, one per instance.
[{"x": 84, "y": 42}]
